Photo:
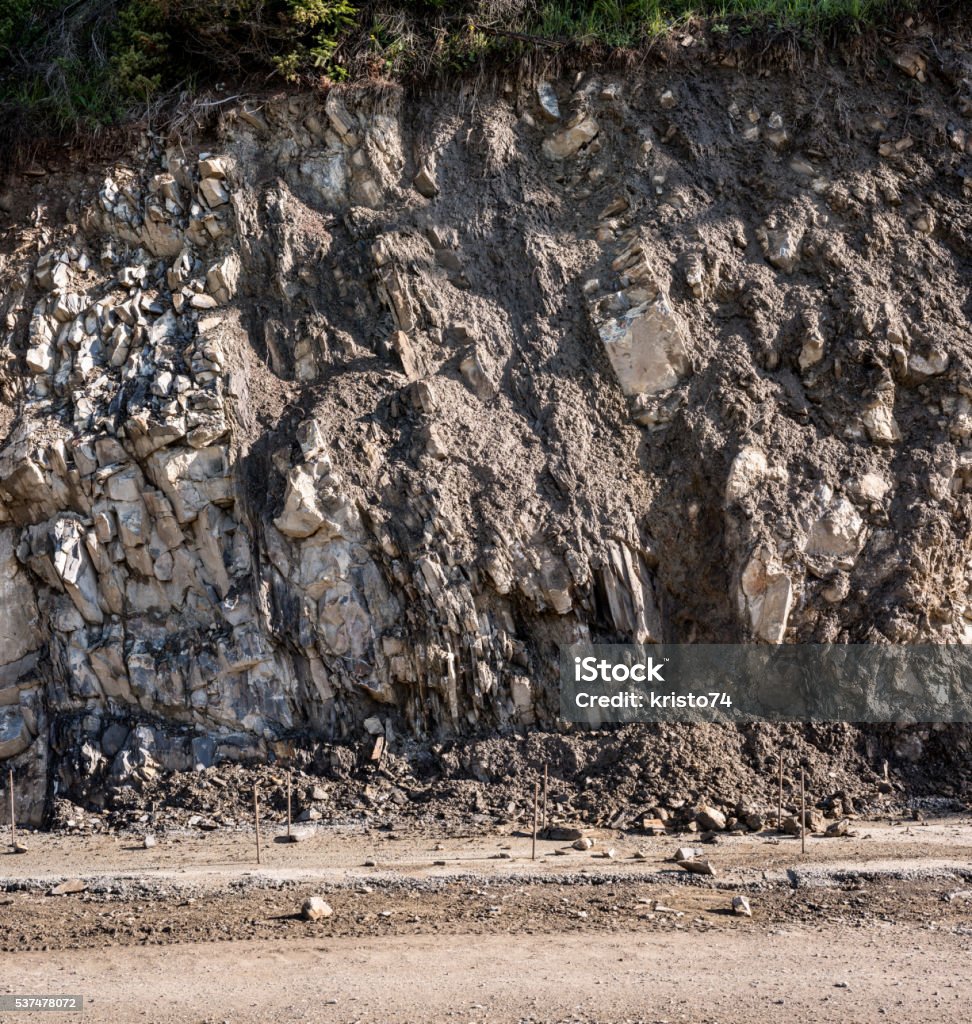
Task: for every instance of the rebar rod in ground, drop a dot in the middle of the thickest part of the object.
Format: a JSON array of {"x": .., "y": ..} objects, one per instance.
[
  {"x": 13, "y": 817},
  {"x": 779, "y": 805},
  {"x": 803, "y": 812},
  {"x": 256, "y": 820},
  {"x": 543, "y": 815}
]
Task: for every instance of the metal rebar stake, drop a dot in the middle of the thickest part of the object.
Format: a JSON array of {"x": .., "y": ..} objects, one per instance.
[
  {"x": 803, "y": 812},
  {"x": 256, "y": 820}
]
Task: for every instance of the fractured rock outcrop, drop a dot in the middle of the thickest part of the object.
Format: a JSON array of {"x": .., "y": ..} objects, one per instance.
[{"x": 288, "y": 453}]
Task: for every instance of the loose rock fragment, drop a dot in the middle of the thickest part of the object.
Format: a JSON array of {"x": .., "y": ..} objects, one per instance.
[
  {"x": 710, "y": 818},
  {"x": 547, "y": 98},
  {"x": 425, "y": 182},
  {"x": 567, "y": 142},
  {"x": 698, "y": 867},
  {"x": 316, "y": 908},
  {"x": 791, "y": 826},
  {"x": 740, "y": 906},
  {"x": 562, "y": 833},
  {"x": 75, "y": 885},
  {"x": 213, "y": 191},
  {"x": 838, "y": 828},
  {"x": 911, "y": 63}
]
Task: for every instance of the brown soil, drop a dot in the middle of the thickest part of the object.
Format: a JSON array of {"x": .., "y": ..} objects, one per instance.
[
  {"x": 444, "y": 929},
  {"x": 601, "y": 778}
]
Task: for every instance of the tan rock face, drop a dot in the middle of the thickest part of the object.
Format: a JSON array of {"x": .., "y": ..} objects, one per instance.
[
  {"x": 647, "y": 348},
  {"x": 749, "y": 469},
  {"x": 878, "y": 419},
  {"x": 837, "y": 533},
  {"x": 299, "y": 434},
  {"x": 767, "y": 596},
  {"x": 302, "y": 514},
  {"x": 564, "y": 144},
  {"x": 20, "y": 633}
]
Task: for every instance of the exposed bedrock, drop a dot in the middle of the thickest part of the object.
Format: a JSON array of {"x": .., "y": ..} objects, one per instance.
[{"x": 360, "y": 405}]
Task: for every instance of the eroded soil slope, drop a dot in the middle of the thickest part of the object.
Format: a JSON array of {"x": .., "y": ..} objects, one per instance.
[{"x": 350, "y": 407}]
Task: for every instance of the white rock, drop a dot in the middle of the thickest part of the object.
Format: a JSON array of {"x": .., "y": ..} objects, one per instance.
[
  {"x": 710, "y": 818},
  {"x": 425, "y": 182},
  {"x": 767, "y": 596},
  {"x": 341, "y": 120},
  {"x": 748, "y": 469},
  {"x": 872, "y": 487},
  {"x": 740, "y": 906},
  {"x": 922, "y": 368},
  {"x": 19, "y": 623},
  {"x": 191, "y": 478},
  {"x": 812, "y": 351},
  {"x": 567, "y": 142},
  {"x": 125, "y": 485},
  {"x": 647, "y": 347},
  {"x": 522, "y": 693},
  {"x": 316, "y": 908},
  {"x": 73, "y": 565},
  {"x": 302, "y": 514},
  {"x": 222, "y": 279},
  {"x": 782, "y": 247},
  {"x": 837, "y": 533},
  {"x": 14, "y": 736},
  {"x": 213, "y": 191},
  {"x": 547, "y": 98},
  {"x": 880, "y": 424},
  {"x": 40, "y": 357},
  {"x": 212, "y": 167}
]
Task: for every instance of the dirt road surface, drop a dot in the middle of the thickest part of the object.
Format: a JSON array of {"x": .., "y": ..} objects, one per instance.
[
  {"x": 464, "y": 929},
  {"x": 800, "y": 974}
]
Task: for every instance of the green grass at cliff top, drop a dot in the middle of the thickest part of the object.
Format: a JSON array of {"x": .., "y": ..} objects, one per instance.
[
  {"x": 70, "y": 65},
  {"x": 620, "y": 23}
]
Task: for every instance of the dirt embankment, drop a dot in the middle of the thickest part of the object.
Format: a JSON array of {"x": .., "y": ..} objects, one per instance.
[{"x": 339, "y": 416}]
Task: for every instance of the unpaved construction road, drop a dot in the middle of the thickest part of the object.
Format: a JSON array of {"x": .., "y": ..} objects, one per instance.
[
  {"x": 467, "y": 928},
  {"x": 801, "y": 974}
]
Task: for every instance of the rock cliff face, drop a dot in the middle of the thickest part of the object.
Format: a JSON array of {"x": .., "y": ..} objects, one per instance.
[{"x": 341, "y": 412}]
